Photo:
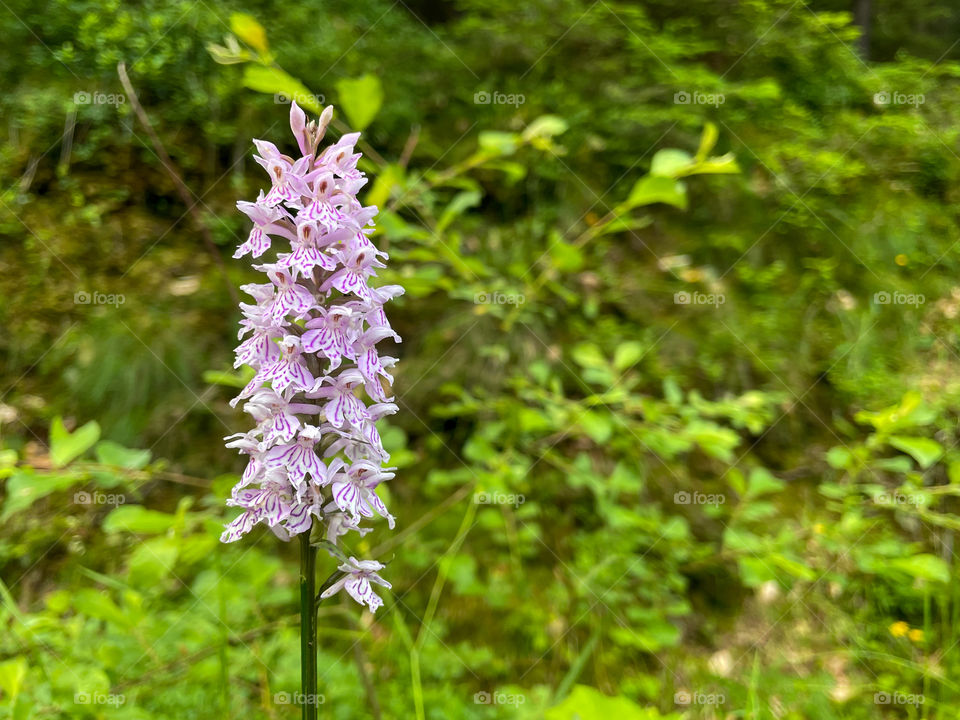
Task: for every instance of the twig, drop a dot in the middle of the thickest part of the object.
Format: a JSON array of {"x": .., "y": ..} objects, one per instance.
[
  {"x": 185, "y": 194},
  {"x": 409, "y": 147}
]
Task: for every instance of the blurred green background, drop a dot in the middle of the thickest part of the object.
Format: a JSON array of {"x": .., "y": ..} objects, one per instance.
[{"x": 679, "y": 393}]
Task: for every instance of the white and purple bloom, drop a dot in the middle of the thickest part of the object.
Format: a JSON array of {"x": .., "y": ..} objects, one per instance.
[
  {"x": 356, "y": 580},
  {"x": 315, "y": 456}
]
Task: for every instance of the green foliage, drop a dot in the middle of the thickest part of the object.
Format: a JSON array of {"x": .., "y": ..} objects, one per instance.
[{"x": 678, "y": 428}]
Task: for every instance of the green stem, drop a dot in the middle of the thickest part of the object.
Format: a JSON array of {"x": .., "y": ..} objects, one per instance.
[{"x": 308, "y": 627}]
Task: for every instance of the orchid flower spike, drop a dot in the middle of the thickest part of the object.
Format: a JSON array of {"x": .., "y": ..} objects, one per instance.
[{"x": 314, "y": 454}]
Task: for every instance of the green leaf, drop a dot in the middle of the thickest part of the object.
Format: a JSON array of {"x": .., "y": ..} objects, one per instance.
[
  {"x": 587, "y": 703},
  {"x": 138, "y": 519},
  {"x": 628, "y": 354},
  {"x": 839, "y": 457},
  {"x": 624, "y": 224},
  {"x": 389, "y": 177},
  {"x": 360, "y": 99},
  {"x": 66, "y": 447},
  {"x": 653, "y": 189},
  {"x": 923, "y": 567},
  {"x": 722, "y": 165},
  {"x": 461, "y": 202},
  {"x": 238, "y": 379},
  {"x": 12, "y": 674},
  {"x": 26, "y": 486},
  {"x": 545, "y": 126},
  {"x": 762, "y": 481},
  {"x": 597, "y": 426},
  {"x": 589, "y": 355},
  {"x": 670, "y": 163},
  {"x": 498, "y": 143},
  {"x": 111, "y": 453},
  {"x": 153, "y": 560},
  {"x": 795, "y": 568},
  {"x": 566, "y": 257},
  {"x": 707, "y": 141},
  {"x": 230, "y": 54},
  {"x": 97, "y": 604},
  {"x": 249, "y": 31},
  {"x": 924, "y": 450},
  {"x": 715, "y": 440},
  {"x": 275, "y": 81}
]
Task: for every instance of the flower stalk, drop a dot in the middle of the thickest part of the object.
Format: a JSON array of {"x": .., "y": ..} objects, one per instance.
[{"x": 308, "y": 627}]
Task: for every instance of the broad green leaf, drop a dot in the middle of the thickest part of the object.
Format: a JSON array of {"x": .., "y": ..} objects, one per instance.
[
  {"x": 545, "y": 126},
  {"x": 66, "y": 447},
  {"x": 249, "y": 31},
  {"x": 26, "y": 486},
  {"x": 839, "y": 457},
  {"x": 153, "y": 560},
  {"x": 589, "y": 355},
  {"x": 360, "y": 99},
  {"x": 97, "y": 604},
  {"x": 923, "y": 567},
  {"x": 653, "y": 189},
  {"x": 111, "y": 453},
  {"x": 597, "y": 426},
  {"x": 924, "y": 450},
  {"x": 138, "y": 519},
  {"x": 628, "y": 354},
  {"x": 910, "y": 412},
  {"x": 670, "y": 163},
  {"x": 715, "y": 440},
  {"x": 566, "y": 257},
  {"x": 498, "y": 143},
  {"x": 672, "y": 392},
  {"x": 275, "y": 81},
  {"x": 762, "y": 481},
  {"x": 12, "y": 674}
]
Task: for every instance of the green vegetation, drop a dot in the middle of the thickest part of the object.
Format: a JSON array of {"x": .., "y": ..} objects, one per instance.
[{"x": 679, "y": 408}]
